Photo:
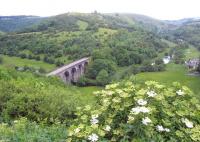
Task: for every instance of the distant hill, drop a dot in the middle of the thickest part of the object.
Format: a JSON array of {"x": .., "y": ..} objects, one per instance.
[
  {"x": 187, "y": 30},
  {"x": 17, "y": 23}
]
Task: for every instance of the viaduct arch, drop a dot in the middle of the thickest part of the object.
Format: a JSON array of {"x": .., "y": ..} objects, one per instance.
[{"x": 71, "y": 72}]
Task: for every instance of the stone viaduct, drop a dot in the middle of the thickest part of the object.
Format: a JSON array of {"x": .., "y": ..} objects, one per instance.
[{"x": 71, "y": 72}]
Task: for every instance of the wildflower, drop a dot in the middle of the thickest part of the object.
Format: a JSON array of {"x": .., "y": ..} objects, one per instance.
[
  {"x": 110, "y": 93},
  {"x": 112, "y": 86},
  {"x": 151, "y": 94},
  {"x": 94, "y": 121},
  {"x": 160, "y": 128},
  {"x": 188, "y": 123},
  {"x": 142, "y": 102},
  {"x": 77, "y": 130},
  {"x": 144, "y": 109},
  {"x": 146, "y": 120},
  {"x": 107, "y": 128},
  {"x": 180, "y": 93},
  {"x": 138, "y": 109},
  {"x": 93, "y": 137},
  {"x": 167, "y": 130}
]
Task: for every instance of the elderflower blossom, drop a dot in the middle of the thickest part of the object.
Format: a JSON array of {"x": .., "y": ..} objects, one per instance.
[
  {"x": 151, "y": 94},
  {"x": 146, "y": 120},
  {"x": 188, "y": 123},
  {"x": 107, "y": 128},
  {"x": 167, "y": 130},
  {"x": 93, "y": 137},
  {"x": 138, "y": 109},
  {"x": 180, "y": 93},
  {"x": 94, "y": 119},
  {"x": 142, "y": 102},
  {"x": 112, "y": 86},
  {"x": 160, "y": 128}
]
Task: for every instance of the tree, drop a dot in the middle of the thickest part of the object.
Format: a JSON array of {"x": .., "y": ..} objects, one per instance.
[
  {"x": 97, "y": 65},
  {"x": 159, "y": 61},
  {"x": 102, "y": 77}
]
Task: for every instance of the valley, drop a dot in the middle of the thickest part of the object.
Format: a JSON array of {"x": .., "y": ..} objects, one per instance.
[{"x": 125, "y": 72}]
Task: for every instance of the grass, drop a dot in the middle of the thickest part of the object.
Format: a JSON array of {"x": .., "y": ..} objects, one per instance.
[
  {"x": 192, "y": 52},
  {"x": 87, "y": 94},
  {"x": 173, "y": 73},
  {"x": 11, "y": 62}
]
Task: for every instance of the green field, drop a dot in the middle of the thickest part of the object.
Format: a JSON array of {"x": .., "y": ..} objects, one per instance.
[
  {"x": 192, "y": 52},
  {"x": 173, "y": 73},
  {"x": 11, "y": 62}
]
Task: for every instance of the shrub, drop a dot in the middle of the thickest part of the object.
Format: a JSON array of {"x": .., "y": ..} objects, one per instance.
[
  {"x": 139, "y": 113},
  {"x": 24, "y": 131},
  {"x": 37, "y": 98},
  {"x": 102, "y": 77}
]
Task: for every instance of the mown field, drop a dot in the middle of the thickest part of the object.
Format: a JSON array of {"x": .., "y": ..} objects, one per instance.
[{"x": 173, "y": 73}]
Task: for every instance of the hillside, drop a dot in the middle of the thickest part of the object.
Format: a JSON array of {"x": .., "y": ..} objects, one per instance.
[
  {"x": 114, "y": 40},
  {"x": 125, "y": 51},
  {"x": 17, "y": 23}
]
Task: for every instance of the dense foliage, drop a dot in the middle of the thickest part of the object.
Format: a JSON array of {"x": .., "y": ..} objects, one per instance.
[
  {"x": 17, "y": 23},
  {"x": 110, "y": 40},
  {"x": 139, "y": 113},
  {"x": 23, "y": 130},
  {"x": 37, "y": 98}
]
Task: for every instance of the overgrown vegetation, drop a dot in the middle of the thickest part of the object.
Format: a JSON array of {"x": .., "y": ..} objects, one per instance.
[
  {"x": 38, "y": 98},
  {"x": 131, "y": 112}
]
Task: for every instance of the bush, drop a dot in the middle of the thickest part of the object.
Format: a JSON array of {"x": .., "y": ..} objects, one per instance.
[
  {"x": 23, "y": 56},
  {"x": 103, "y": 77},
  {"x": 24, "y": 131},
  {"x": 139, "y": 113},
  {"x": 37, "y": 98}
]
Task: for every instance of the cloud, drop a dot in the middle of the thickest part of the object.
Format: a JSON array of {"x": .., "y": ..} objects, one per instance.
[{"x": 161, "y": 9}]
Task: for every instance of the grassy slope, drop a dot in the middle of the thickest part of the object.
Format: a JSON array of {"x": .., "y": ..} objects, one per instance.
[
  {"x": 10, "y": 62},
  {"x": 174, "y": 73},
  {"x": 192, "y": 52}
]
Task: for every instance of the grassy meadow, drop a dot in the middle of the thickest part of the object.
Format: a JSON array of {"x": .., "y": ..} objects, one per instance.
[
  {"x": 173, "y": 73},
  {"x": 11, "y": 62}
]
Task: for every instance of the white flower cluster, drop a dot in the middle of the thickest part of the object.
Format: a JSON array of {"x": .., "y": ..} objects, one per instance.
[
  {"x": 146, "y": 120},
  {"x": 160, "y": 128},
  {"x": 180, "y": 93},
  {"x": 142, "y": 102},
  {"x": 188, "y": 123},
  {"x": 138, "y": 109},
  {"x": 93, "y": 137},
  {"x": 94, "y": 119},
  {"x": 151, "y": 94}
]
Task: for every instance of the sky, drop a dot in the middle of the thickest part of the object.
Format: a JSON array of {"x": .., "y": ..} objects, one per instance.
[{"x": 159, "y": 9}]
